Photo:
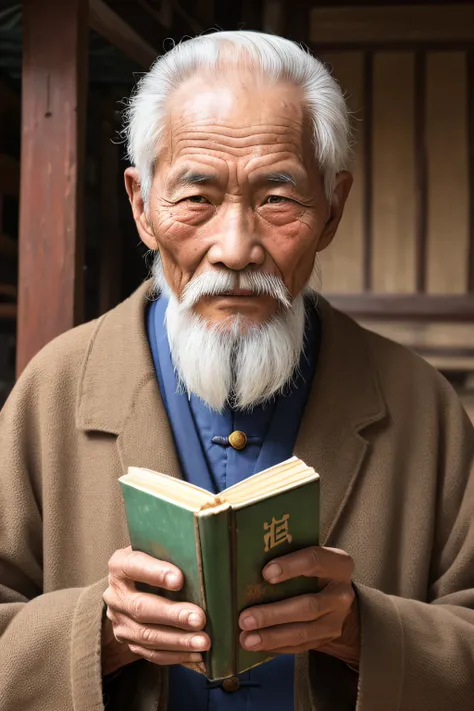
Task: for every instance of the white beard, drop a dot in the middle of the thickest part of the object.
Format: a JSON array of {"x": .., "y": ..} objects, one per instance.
[{"x": 235, "y": 362}]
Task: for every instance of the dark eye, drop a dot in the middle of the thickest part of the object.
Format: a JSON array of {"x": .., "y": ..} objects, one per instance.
[
  {"x": 199, "y": 199},
  {"x": 276, "y": 199}
]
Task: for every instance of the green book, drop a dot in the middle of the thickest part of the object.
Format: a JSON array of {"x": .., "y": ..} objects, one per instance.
[{"x": 222, "y": 542}]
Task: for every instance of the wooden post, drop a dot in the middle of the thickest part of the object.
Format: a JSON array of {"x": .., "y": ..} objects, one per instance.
[{"x": 51, "y": 251}]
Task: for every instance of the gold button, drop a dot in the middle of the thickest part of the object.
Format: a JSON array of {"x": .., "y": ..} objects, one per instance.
[
  {"x": 238, "y": 439},
  {"x": 232, "y": 683}
]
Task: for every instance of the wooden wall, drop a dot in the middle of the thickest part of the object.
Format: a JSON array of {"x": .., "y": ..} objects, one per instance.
[
  {"x": 391, "y": 179},
  {"x": 404, "y": 253}
]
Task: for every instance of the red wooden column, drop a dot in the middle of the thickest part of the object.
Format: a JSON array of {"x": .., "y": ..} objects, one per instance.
[{"x": 51, "y": 250}]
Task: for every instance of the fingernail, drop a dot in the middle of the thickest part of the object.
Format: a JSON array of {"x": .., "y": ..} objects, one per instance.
[
  {"x": 272, "y": 573},
  {"x": 171, "y": 580},
  {"x": 248, "y": 623},
  {"x": 194, "y": 620},
  {"x": 253, "y": 640},
  {"x": 199, "y": 643}
]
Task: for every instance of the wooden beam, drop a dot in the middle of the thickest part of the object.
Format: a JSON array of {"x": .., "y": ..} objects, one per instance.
[
  {"x": 470, "y": 142},
  {"x": 418, "y": 307},
  {"x": 51, "y": 244},
  {"x": 392, "y": 23},
  {"x": 368, "y": 239},
  {"x": 9, "y": 175},
  {"x": 420, "y": 150},
  {"x": 112, "y": 27}
]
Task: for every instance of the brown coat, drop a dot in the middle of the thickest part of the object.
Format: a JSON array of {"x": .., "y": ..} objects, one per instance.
[{"x": 395, "y": 452}]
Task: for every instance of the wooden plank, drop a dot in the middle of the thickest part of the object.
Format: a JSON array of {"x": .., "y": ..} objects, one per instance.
[
  {"x": 393, "y": 176},
  {"x": 448, "y": 187},
  {"x": 9, "y": 175},
  {"x": 446, "y": 345},
  {"x": 470, "y": 139},
  {"x": 409, "y": 306},
  {"x": 342, "y": 262},
  {"x": 111, "y": 237},
  {"x": 368, "y": 229},
  {"x": 108, "y": 24},
  {"x": 420, "y": 149},
  {"x": 439, "y": 336},
  {"x": 51, "y": 245},
  {"x": 415, "y": 23}
]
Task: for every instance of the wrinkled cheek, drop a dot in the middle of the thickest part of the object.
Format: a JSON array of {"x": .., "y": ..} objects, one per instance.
[
  {"x": 180, "y": 251},
  {"x": 292, "y": 248}
]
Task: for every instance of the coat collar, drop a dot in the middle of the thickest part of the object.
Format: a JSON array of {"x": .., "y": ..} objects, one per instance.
[{"x": 118, "y": 394}]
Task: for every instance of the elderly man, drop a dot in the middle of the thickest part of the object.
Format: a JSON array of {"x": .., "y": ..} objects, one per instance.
[{"x": 239, "y": 144}]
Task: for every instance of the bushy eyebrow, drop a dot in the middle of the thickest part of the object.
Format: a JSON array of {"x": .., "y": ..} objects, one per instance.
[
  {"x": 280, "y": 178},
  {"x": 190, "y": 177},
  {"x": 187, "y": 178}
]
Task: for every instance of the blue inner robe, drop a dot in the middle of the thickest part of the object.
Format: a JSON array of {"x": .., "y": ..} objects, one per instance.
[{"x": 271, "y": 430}]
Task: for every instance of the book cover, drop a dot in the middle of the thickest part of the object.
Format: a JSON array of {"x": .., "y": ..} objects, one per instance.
[{"x": 221, "y": 543}]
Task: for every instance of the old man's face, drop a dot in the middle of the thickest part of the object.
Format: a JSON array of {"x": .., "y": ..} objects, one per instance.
[{"x": 237, "y": 189}]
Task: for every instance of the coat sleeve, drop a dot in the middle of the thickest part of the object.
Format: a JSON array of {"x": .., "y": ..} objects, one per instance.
[
  {"x": 419, "y": 656},
  {"x": 49, "y": 643}
]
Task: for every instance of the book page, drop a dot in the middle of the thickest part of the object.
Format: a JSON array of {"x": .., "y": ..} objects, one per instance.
[
  {"x": 279, "y": 478},
  {"x": 168, "y": 488}
]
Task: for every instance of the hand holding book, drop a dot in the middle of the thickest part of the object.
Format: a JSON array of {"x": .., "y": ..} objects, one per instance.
[
  {"x": 217, "y": 546},
  {"x": 146, "y": 625},
  {"x": 327, "y": 621}
]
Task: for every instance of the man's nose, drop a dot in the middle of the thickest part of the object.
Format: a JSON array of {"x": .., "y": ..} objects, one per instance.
[{"x": 236, "y": 243}]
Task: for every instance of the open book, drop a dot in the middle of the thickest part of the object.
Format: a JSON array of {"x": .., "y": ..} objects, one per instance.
[{"x": 222, "y": 542}]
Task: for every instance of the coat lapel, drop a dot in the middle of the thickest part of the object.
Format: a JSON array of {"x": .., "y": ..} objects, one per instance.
[
  {"x": 345, "y": 398},
  {"x": 119, "y": 392}
]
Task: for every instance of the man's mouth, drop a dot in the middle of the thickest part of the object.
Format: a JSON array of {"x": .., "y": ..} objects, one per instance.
[{"x": 238, "y": 292}]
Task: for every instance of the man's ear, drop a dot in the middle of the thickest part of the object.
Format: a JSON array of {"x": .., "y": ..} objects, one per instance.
[
  {"x": 134, "y": 192},
  {"x": 340, "y": 194}
]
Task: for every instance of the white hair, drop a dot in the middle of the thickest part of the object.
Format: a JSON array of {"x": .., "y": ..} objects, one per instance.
[
  {"x": 237, "y": 361},
  {"x": 275, "y": 58}
]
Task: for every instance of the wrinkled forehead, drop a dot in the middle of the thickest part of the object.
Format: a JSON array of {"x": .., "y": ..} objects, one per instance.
[{"x": 236, "y": 113}]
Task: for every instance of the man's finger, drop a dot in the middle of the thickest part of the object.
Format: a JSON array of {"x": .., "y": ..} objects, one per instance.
[
  {"x": 303, "y": 608},
  {"x": 147, "y": 608},
  {"x": 161, "y": 638},
  {"x": 142, "y": 568},
  {"x": 164, "y": 658},
  {"x": 315, "y": 561},
  {"x": 308, "y": 634}
]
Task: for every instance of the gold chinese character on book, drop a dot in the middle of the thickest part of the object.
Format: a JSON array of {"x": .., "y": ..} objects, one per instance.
[{"x": 278, "y": 532}]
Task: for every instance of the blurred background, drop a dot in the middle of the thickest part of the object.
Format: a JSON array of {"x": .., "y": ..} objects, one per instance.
[{"x": 403, "y": 260}]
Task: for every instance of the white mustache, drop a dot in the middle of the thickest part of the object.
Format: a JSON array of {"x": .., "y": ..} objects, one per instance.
[{"x": 219, "y": 282}]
